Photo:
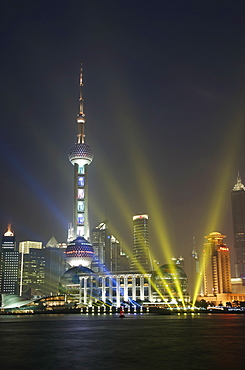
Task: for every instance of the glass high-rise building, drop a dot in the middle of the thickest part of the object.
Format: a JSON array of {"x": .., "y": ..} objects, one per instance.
[
  {"x": 42, "y": 269},
  {"x": 9, "y": 264},
  {"x": 108, "y": 253},
  {"x": 194, "y": 272},
  {"x": 238, "y": 216},
  {"x": 141, "y": 259},
  {"x": 24, "y": 249}
]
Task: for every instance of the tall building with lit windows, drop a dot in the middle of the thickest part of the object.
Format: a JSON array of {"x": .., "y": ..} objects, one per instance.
[
  {"x": 141, "y": 259},
  {"x": 9, "y": 264},
  {"x": 217, "y": 273},
  {"x": 108, "y": 253},
  {"x": 24, "y": 249},
  {"x": 41, "y": 268},
  {"x": 238, "y": 216}
]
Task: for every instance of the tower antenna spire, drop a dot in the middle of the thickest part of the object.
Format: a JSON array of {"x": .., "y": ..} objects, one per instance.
[
  {"x": 81, "y": 91},
  {"x": 239, "y": 177},
  {"x": 81, "y": 116}
]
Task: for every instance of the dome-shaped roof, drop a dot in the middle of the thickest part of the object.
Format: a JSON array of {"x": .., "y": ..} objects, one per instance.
[
  {"x": 215, "y": 234},
  {"x": 171, "y": 280},
  {"x": 171, "y": 269},
  {"x": 81, "y": 154},
  {"x": 71, "y": 276},
  {"x": 79, "y": 252}
]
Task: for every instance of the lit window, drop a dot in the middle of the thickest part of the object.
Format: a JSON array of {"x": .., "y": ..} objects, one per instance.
[
  {"x": 80, "y": 230},
  {"x": 80, "y": 181},
  {"x": 80, "y": 218},
  {"x": 80, "y": 193},
  {"x": 80, "y": 206},
  {"x": 81, "y": 170}
]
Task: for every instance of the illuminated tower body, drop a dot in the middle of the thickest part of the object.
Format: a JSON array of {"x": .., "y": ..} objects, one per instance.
[
  {"x": 79, "y": 251},
  {"x": 238, "y": 215},
  {"x": 141, "y": 259},
  {"x": 80, "y": 155},
  {"x": 9, "y": 264},
  {"x": 217, "y": 274}
]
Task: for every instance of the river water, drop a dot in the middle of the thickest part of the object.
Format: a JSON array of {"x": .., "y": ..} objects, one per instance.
[{"x": 206, "y": 341}]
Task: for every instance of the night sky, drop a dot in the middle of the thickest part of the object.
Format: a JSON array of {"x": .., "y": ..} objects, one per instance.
[{"x": 164, "y": 88}]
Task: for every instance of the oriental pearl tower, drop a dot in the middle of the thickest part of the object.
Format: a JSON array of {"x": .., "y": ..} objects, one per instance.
[{"x": 80, "y": 251}]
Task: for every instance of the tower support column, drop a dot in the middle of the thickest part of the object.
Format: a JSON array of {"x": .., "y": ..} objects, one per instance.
[
  {"x": 85, "y": 284},
  {"x": 133, "y": 288},
  {"x": 103, "y": 294},
  {"x": 110, "y": 288},
  {"x": 118, "y": 290},
  {"x": 126, "y": 288},
  {"x": 149, "y": 289},
  {"x": 142, "y": 287}
]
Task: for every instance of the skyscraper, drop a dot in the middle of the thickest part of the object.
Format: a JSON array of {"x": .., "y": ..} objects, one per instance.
[
  {"x": 217, "y": 274},
  {"x": 108, "y": 254},
  {"x": 24, "y": 249},
  {"x": 9, "y": 264},
  {"x": 195, "y": 270},
  {"x": 238, "y": 216},
  {"x": 42, "y": 269},
  {"x": 141, "y": 259},
  {"x": 80, "y": 155}
]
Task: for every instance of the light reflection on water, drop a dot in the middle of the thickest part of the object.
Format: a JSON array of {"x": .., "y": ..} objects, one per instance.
[{"x": 108, "y": 342}]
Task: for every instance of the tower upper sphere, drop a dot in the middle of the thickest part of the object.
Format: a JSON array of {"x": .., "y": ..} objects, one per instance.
[{"x": 81, "y": 154}]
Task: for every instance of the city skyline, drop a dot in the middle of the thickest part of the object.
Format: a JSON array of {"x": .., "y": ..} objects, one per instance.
[{"x": 163, "y": 98}]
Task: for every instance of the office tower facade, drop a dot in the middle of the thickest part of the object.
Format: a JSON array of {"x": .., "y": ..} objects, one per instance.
[
  {"x": 42, "y": 269},
  {"x": 24, "y": 250},
  {"x": 194, "y": 273},
  {"x": 55, "y": 267},
  {"x": 80, "y": 155},
  {"x": 217, "y": 274},
  {"x": 238, "y": 216},
  {"x": 9, "y": 264},
  {"x": 141, "y": 259},
  {"x": 108, "y": 253}
]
